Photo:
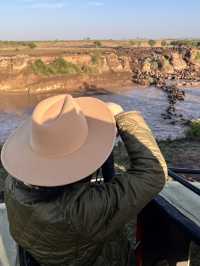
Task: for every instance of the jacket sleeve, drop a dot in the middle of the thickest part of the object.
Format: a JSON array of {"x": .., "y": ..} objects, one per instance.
[{"x": 103, "y": 209}]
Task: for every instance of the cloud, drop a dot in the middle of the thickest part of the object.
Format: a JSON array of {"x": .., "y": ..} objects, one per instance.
[{"x": 94, "y": 3}]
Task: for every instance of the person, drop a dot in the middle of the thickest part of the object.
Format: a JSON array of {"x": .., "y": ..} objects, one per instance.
[{"x": 55, "y": 212}]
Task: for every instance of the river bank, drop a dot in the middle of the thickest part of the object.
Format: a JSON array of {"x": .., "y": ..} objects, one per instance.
[{"x": 99, "y": 68}]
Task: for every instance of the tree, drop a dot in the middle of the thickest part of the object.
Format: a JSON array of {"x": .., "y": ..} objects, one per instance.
[
  {"x": 132, "y": 42},
  {"x": 32, "y": 45},
  {"x": 198, "y": 44},
  {"x": 97, "y": 43},
  {"x": 164, "y": 43},
  {"x": 152, "y": 43}
]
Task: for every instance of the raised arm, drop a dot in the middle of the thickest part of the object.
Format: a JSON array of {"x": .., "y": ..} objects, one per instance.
[
  {"x": 148, "y": 170},
  {"x": 103, "y": 209}
]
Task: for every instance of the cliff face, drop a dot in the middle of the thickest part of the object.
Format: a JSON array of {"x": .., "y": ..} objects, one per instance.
[
  {"x": 107, "y": 63},
  {"x": 143, "y": 65}
]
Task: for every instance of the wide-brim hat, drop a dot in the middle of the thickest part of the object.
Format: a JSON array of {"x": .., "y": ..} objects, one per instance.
[{"x": 65, "y": 140}]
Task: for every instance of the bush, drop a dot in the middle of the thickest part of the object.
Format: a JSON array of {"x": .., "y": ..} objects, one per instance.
[
  {"x": 19, "y": 43},
  {"x": 163, "y": 43},
  {"x": 187, "y": 43},
  {"x": 194, "y": 131},
  {"x": 61, "y": 67},
  {"x": 32, "y": 45},
  {"x": 40, "y": 68},
  {"x": 96, "y": 57},
  {"x": 98, "y": 44},
  {"x": 197, "y": 57},
  {"x": 132, "y": 42},
  {"x": 58, "y": 67},
  {"x": 152, "y": 43},
  {"x": 136, "y": 43}
]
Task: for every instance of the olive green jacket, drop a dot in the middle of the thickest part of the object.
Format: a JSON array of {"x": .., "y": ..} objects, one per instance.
[{"x": 83, "y": 225}]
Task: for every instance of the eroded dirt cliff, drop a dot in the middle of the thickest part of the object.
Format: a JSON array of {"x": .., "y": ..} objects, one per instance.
[{"x": 100, "y": 67}]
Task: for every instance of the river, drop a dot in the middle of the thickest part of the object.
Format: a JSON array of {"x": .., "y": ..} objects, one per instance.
[{"x": 151, "y": 102}]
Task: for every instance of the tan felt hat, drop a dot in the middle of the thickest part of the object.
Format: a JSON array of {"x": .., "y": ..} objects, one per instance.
[{"x": 66, "y": 140}]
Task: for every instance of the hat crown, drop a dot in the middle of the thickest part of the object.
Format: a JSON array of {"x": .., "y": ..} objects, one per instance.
[{"x": 59, "y": 127}]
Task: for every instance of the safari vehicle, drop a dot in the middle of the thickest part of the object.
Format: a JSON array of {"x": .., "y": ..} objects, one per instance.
[
  {"x": 166, "y": 227},
  {"x": 169, "y": 226}
]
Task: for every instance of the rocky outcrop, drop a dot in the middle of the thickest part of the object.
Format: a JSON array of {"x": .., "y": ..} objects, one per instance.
[
  {"x": 178, "y": 62},
  {"x": 13, "y": 64},
  {"x": 159, "y": 65}
]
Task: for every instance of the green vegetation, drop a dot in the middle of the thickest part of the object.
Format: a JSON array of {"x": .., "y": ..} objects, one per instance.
[
  {"x": 61, "y": 67},
  {"x": 32, "y": 45},
  {"x": 181, "y": 152},
  {"x": 40, "y": 68},
  {"x": 163, "y": 43},
  {"x": 197, "y": 57},
  {"x": 188, "y": 43},
  {"x": 17, "y": 44},
  {"x": 132, "y": 42},
  {"x": 96, "y": 57},
  {"x": 98, "y": 44},
  {"x": 152, "y": 43},
  {"x": 58, "y": 67},
  {"x": 194, "y": 131},
  {"x": 178, "y": 153},
  {"x": 136, "y": 43}
]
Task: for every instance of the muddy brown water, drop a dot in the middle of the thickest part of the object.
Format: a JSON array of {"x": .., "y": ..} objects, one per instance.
[{"x": 151, "y": 102}]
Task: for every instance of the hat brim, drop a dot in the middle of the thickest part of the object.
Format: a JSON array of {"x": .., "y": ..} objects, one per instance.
[{"x": 30, "y": 167}]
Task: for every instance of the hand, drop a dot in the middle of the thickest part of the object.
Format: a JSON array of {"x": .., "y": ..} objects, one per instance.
[{"x": 115, "y": 108}]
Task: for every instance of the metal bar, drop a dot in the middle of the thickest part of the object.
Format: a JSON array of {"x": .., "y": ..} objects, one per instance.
[
  {"x": 184, "y": 182},
  {"x": 185, "y": 171}
]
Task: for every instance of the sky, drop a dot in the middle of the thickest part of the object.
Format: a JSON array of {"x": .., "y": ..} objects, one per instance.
[{"x": 98, "y": 19}]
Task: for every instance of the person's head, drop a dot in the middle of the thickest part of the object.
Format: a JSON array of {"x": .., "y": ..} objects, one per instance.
[{"x": 66, "y": 140}]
